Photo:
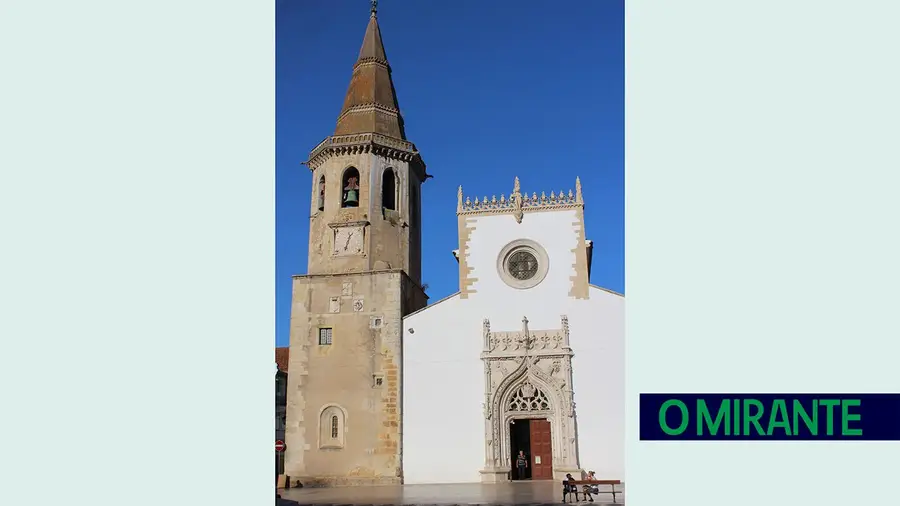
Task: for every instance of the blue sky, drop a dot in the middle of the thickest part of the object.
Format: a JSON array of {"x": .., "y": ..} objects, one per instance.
[{"x": 488, "y": 91}]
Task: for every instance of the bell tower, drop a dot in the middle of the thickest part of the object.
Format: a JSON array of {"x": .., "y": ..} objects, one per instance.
[
  {"x": 344, "y": 412},
  {"x": 365, "y": 211}
]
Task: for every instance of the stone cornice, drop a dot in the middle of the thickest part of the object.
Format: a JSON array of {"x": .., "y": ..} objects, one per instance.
[
  {"x": 359, "y": 223},
  {"x": 403, "y": 274},
  {"x": 537, "y": 355},
  {"x": 347, "y": 274},
  {"x": 382, "y": 145}
]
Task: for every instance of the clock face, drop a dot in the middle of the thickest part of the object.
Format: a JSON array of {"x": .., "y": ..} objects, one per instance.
[{"x": 348, "y": 241}]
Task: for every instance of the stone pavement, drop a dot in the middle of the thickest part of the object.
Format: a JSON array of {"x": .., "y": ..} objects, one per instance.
[{"x": 524, "y": 493}]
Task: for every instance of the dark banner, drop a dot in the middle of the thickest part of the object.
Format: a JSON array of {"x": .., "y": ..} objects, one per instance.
[{"x": 770, "y": 417}]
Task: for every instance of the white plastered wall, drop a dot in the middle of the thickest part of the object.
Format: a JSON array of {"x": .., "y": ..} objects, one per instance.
[{"x": 443, "y": 380}]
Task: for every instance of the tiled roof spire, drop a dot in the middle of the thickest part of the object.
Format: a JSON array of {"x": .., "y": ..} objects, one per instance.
[{"x": 371, "y": 102}]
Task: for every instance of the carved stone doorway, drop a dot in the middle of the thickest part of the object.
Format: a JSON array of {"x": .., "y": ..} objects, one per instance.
[{"x": 528, "y": 380}]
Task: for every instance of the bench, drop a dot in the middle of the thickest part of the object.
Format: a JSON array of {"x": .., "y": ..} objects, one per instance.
[{"x": 578, "y": 484}]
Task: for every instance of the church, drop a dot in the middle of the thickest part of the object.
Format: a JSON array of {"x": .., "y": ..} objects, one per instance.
[{"x": 385, "y": 388}]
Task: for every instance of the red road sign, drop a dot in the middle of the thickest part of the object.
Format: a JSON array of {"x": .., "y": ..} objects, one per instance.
[{"x": 280, "y": 446}]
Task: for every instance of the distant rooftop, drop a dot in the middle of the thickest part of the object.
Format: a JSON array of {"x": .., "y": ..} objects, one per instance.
[{"x": 281, "y": 358}]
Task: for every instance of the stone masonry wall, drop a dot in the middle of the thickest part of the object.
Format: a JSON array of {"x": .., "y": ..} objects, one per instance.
[{"x": 359, "y": 376}]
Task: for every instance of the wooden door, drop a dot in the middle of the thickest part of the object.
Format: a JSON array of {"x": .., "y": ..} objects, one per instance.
[{"x": 541, "y": 450}]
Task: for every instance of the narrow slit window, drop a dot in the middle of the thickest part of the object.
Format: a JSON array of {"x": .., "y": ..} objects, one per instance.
[
  {"x": 334, "y": 427},
  {"x": 321, "y": 194}
]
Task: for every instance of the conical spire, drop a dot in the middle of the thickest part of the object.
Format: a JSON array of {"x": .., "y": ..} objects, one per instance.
[
  {"x": 371, "y": 102},
  {"x": 372, "y": 46}
]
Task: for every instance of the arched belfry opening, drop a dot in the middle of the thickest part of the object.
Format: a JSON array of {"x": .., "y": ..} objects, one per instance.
[
  {"x": 320, "y": 194},
  {"x": 350, "y": 185},
  {"x": 389, "y": 190}
]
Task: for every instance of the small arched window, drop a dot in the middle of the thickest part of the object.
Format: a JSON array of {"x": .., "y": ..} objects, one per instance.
[
  {"x": 389, "y": 190},
  {"x": 320, "y": 189},
  {"x": 350, "y": 188},
  {"x": 332, "y": 420}
]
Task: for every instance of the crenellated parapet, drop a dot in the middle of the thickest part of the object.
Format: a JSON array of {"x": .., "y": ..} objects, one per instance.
[{"x": 520, "y": 202}]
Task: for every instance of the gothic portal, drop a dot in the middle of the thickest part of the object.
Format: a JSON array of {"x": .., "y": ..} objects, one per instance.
[{"x": 528, "y": 376}]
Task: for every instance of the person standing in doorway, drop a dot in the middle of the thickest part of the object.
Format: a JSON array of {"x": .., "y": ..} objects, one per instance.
[{"x": 521, "y": 464}]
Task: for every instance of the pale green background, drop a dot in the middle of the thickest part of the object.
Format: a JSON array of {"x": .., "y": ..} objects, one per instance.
[
  {"x": 136, "y": 204},
  {"x": 137, "y": 274},
  {"x": 762, "y": 252}
]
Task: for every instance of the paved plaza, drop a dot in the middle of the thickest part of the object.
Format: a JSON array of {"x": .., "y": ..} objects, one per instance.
[{"x": 527, "y": 492}]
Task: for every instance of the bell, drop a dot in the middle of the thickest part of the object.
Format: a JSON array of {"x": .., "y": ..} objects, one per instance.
[{"x": 352, "y": 198}]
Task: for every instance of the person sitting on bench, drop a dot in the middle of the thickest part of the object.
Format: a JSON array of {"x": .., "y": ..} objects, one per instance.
[
  {"x": 589, "y": 490},
  {"x": 569, "y": 489}
]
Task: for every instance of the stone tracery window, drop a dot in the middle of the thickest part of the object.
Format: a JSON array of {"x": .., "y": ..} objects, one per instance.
[
  {"x": 522, "y": 265},
  {"x": 528, "y": 398}
]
